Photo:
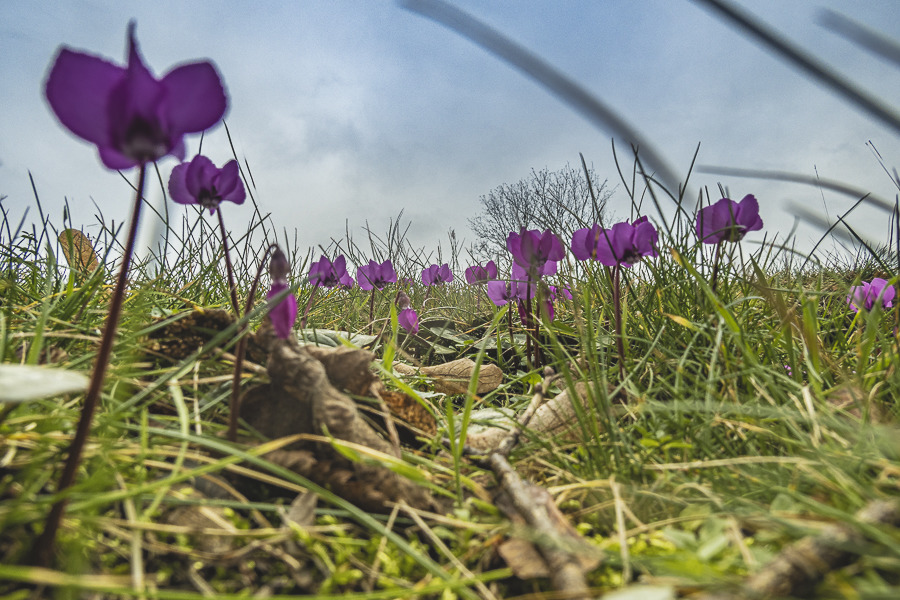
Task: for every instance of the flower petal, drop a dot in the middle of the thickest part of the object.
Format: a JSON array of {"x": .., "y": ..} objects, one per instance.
[
  {"x": 748, "y": 214},
  {"x": 583, "y": 243},
  {"x": 196, "y": 98},
  {"x": 646, "y": 238},
  {"x": 498, "y": 292},
  {"x": 113, "y": 159},
  {"x": 229, "y": 184},
  {"x": 284, "y": 314},
  {"x": 178, "y": 190},
  {"x": 77, "y": 90},
  {"x": 199, "y": 175},
  {"x": 409, "y": 320}
]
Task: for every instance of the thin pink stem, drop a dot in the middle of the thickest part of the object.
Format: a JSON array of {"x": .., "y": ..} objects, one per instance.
[
  {"x": 617, "y": 301},
  {"x": 232, "y": 286},
  {"x": 44, "y": 546}
]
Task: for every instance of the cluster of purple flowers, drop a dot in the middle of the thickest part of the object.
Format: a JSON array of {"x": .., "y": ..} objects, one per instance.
[
  {"x": 535, "y": 254},
  {"x": 328, "y": 274},
  {"x": 437, "y": 275},
  {"x": 376, "y": 275},
  {"x": 478, "y": 274},
  {"x": 624, "y": 244},
  {"x": 727, "y": 220},
  {"x": 870, "y": 294}
]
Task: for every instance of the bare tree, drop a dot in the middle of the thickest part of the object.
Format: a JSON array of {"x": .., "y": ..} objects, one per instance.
[{"x": 557, "y": 200}]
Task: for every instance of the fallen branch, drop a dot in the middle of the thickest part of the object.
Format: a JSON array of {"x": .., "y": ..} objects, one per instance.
[
  {"x": 802, "y": 565},
  {"x": 555, "y": 538}
]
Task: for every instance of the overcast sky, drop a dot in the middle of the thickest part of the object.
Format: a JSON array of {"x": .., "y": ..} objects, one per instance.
[{"x": 352, "y": 111}]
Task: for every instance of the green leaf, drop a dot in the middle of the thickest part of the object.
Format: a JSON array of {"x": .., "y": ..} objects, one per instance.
[{"x": 20, "y": 383}]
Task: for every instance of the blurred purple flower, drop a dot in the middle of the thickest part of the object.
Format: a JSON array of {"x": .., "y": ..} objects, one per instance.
[
  {"x": 548, "y": 306},
  {"x": 867, "y": 294},
  {"x": 501, "y": 292},
  {"x": 727, "y": 220},
  {"x": 200, "y": 182},
  {"x": 585, "y": 242},
  {"x": 481, "y": 274},
  {"x": 627, "y": 243},
  {"x": 523, "y": 285},
  {"x": 132, "y": 117},
  {"x": 409, "y": 320},
  {"x": 437, "y": 275},
  {"x": 284, "y": 314},
  {"x": 535, "y": 252},
  {"x": 556, "y": 291},
  {"x": 375, "y": 275},
  {"x": 325, "y": 273},
  {"x": 407, "y": 317}
]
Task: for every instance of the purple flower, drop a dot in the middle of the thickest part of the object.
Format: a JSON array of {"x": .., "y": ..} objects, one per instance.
[
  {"x": 523, "y": 285},
  {"x": 407, "y": 317},
  {"x": 330, "y": 274},
  {"x": 627, "y": 243},
  {"x": 585, "y": 242},
  {"x": 548, "y": 306},
  {"x": 437, "y": 275},
  {"x": 557, "y": 291},
  {"x": 408, "y": 320},
  {"x": 478, "y": 274},
  {"x": 867, "y": 294},
  {"x": 375, "y": 275},
  {"x": 132, "y": 117},
  {"x": 727, "y": 220},
  {"x": 535, "y": 252},
  {"x": 284, "y": 314},
  {"x": 200, "y": 182},
  {"x": 501, "y": 292}
]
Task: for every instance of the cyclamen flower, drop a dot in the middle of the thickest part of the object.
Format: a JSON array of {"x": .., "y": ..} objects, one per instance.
[
  {"x": 409, "y": 320},
  {"x": 727, "y": 220},
  {"x": 200, "y": 182},
  {"x": 329, "y": 274},
  {"x": 535, "y": 252},
  {"x": 132, "y": 117},
  {"x": 437, "y": 275},
  {"x": 557, "y": 291},
  {"x": 407, "y": 317},
  {"x": 501, "y": 292},
  {"x": 867, "y": 294},
  {"x": 375, "y": 275},
  {"x": 627, "y": 243},
  {"x": 585, "y": 242},
  {"x": 284, "y": 314},
  {"x": 481, "y": 274}
]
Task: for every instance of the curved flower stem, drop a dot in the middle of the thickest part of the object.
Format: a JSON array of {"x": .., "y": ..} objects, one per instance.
[
  {"x": 235, "y": 412},
  {"x": 715, "y": 273},
  {"x": 509, "y": 323},
  {"x": 372, "y": 312},
  {"x": 312, "y": 295},
  {"x": 617, "y": 307},
  {"x": 43, "y": 547},
  {"x": 232, "y": 286}
]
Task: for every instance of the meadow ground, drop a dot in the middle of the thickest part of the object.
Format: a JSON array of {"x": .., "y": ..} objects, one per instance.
[{"x": 753, "y": 412}]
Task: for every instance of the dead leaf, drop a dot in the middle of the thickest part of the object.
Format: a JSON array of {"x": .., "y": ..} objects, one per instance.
[
  {"x": 453, "y": 377},
  {"x": 301, "y": 399},
  {"x": 523, "y": 558},
  {"x": 556, "y": 417},
  {"x": 79, "y": 252}
]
